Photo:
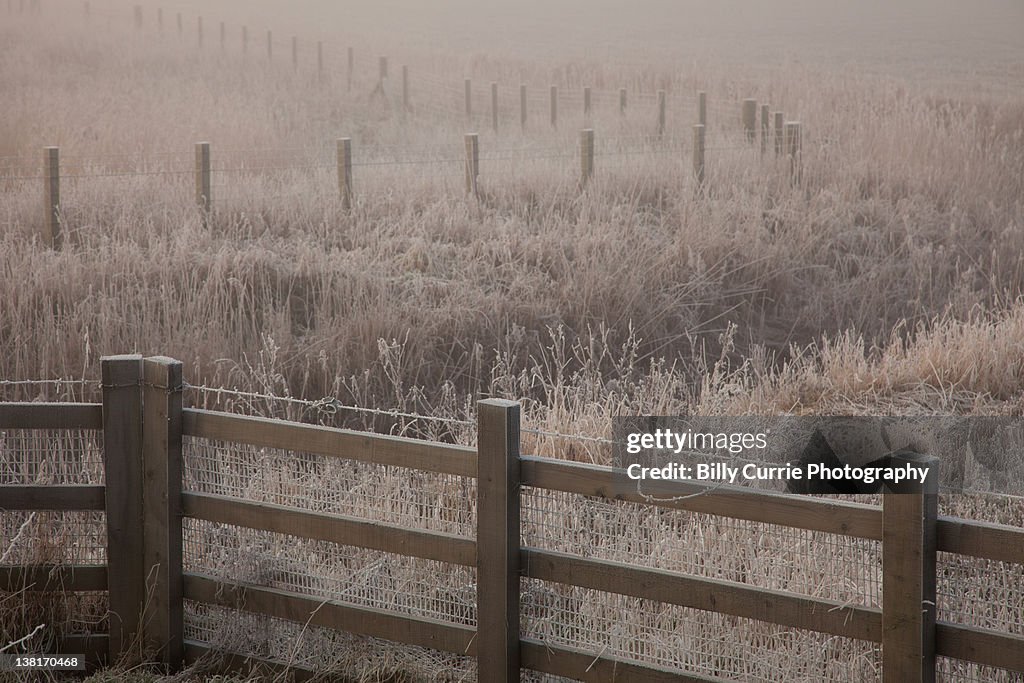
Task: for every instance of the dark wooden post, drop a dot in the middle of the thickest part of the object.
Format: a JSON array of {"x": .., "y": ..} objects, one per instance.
[
  {"x": 122, "y": 467},
  {"x": 204, "y": 182},
  {"x": 908, "y": 576},
  {"x": 498, "y": 542},
  {"x": 661, "y": 113},
  {"x": 472, "y": 164},
  {"x": 586, "y": 155},
  {"x": 163, "y": 621},
  {"x": 522, "y": 106},
  {"x": 554, "y": 106},
  {"x": 51, "y": 195},
  {"x": 698, "y": 155},
  {"x": 345, "y": 172},
  {"x": 750, "y": 119},
  {"x": 494, "y": 106}
]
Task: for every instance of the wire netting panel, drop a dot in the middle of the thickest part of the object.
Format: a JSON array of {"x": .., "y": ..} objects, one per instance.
[
  {"x": 356, "y": 658},
  {"x": 955, "y": 671},
  {"x": 367, "y": 578},
  {"x": 813, "y": 563},
  {"x": 52, "y": 537},
  {"x": 690, "y": 640},
  {"x": 979, "y": 592},
  {"x": 380, "y": 493},
  {"x": 51, "y": 456}
]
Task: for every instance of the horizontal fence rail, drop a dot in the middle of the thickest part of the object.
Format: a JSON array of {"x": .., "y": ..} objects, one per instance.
[{"x": 146, "y": 393}]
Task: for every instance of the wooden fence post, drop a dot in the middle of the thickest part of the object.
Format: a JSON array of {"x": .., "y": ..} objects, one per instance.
[
  {"x": 554, "y": 106},
  {"x": 494, "y": 106},
  {"x": 522, "y": 106},
  {"x": 199, "y": 31},
  {"x": 345, "y": 172},
  {"x": 586, "y": 155},
  {"x": 382, "y": 72},
  {"x": 698, "y": 154},
  {"x": 295, "y": 53},
  {"x": 320, "y": 60},
  {"x": 750, "y": 119},
  {"x": 702, "y": 108},
  {"x": 765, "y": 128},
  {"x": 792, "y": 135},
  {"x": 586, "y": 103},
  {"x": 122, "y": 463},
  {"x": 270, "y": 46},
  {"x": 472, "y": 164},
  {"x": 138, "y": 17},
  {"x": 160, "y": 19},
  {"x": 245, "y": 40},
  {"x": 204, "y": 189},
  {"x": 661, "y": 113},
  {"x": 908, "y": 576},
  {"x": 351, "y": 67},
  {"x": 181, "y": 25},
  {"x": 622, "y": 101},
  {"x": 498, "y": 543},
  {"x": 223, "y": 36},
  {"x": 468, "y": 91},
  {"x": 778, "y": 132},
  {"x": 405, "y": 88},
  {"x": 51, "y": 196},
  {"x": 87, "y": 8},
  {"x": 163, "y": 625}
]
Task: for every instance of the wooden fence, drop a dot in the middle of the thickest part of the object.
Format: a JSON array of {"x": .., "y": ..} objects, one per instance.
[{"x": 143, "y": 423}]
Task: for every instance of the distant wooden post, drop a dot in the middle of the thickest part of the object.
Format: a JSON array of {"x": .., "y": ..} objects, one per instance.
[
  {"x": 586, "y": 103},
  {"x": 586, "y": 155},
  {"x": 181, "y": 25},
  {"x": 204, "y": 197},
  {"x": 779, "y": 118},
  {"x": 494, "y": 106},
  {"x": 702, "y": 108},
  {"x": 405, "y": 88},
  {"x": 622, "y": 101},
  {"x": 122, "y": 464},
  {"x": 270, "y": 46},
  {"x": 554, "y": 106},
  {"x": 698, "y": 154},
  {"x": 382, "y": 72},
  {"x": 351, "y": 67},
  {"x": 320, "y": 60},
  {"x": 51, "y": 196},
  {"x": 295, "y": 53},
  {"x": 160, "y": 19},
  {"x": 498, "y": 545},
  {"x": 223, "y": 36},
  {"x": 88, "y": 9},
  {"x": 468, "y": 89},
  {"x": 661, "y": 113},
  {"x": 750, "y": 119},
  {"x": 245, "y": 40},
  {"x": 792, "y": 136},
  {"x": 909, "y": 517},
  {"x": 199, "y": 30},
  {"x": 765, "y": 128},
  {"x": 472, "y": 164},
  {"x": 138, "y": 17},
  {"x": 163, "y": 621},
  {"x": 345, "y": 172},
  {"x": 522, "y": 106}
]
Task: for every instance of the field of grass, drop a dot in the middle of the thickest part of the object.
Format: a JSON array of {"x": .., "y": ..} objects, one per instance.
[{"x": 887, "y": 282}]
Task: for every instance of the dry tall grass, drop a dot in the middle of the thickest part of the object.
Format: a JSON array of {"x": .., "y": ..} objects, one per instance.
[{"x": 888, "y": 283}]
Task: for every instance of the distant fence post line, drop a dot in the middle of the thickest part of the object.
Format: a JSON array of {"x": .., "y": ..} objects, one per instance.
[
  {"x": 468, "y": 92},
  {"x": 51, "y": 197},
  {"x": 351, "y": 67},
  {"x": 554, "y": 106},
  {"x": 765, "y": 128},
  {"x": 622, "y": 101},
  {"x": 345, "y": 172},
  {"x": 498, "y": 525},
  {"x": 661, "y": 113},
  {"x": 472, "y": 164},
  {"x": 204, "y": 181},
  {"x": 698, "y": 154},
  {"x": 586, "y": 155},
  {"x": 494, "y": 106},
  {"x": 779, "y": 118},
  {"x": 750, "y": 119},
  {"x": 702, "y": 108},
  {"x": 792, "y": 137},
  {"x": 522, "y": 106}
]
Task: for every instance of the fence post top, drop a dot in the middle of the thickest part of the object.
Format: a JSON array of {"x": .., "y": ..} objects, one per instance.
[
  {"x": 121, "y": 358},
  {"x": 498, "y": 403}
]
